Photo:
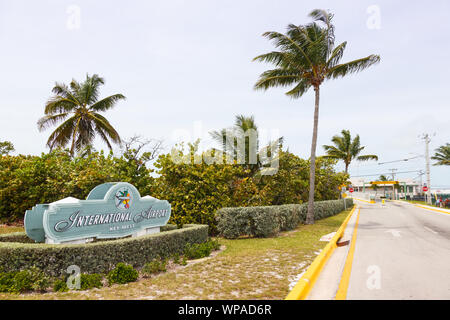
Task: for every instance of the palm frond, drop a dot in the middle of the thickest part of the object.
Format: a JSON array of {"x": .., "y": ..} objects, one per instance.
[
  {"x": 90, "y": 89},
  {"x": 50, "y": 120},
  {"x": 442, "y": 155},
  {"x": 62, "y": 134},
  {"x": 278, "y": 78},
  {"x": 358, "y": 65},
  {"x": 108, "y": 129},
  {"x": 107, "y": 103},
  {"x": 336, "y": 55},
  {"x": 302, "y": 86},
  {"x": 289, "y": 45},
  {"x": 367, "y": 157}
]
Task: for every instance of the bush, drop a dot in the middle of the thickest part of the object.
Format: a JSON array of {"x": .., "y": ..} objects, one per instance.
[
  {"x": 268, "y": 221},
  {"x": 122, "y": 273},
  {"x": 98, "y": 257},
  {"x": 28, "y": 180},
  {"x": 155, "y": 266},
  {"x": 60, "y": 285},
  {"x": 89, "y": 281},
  {"x": 197, "y": 251},
  {"x": 23, "y": 281}
]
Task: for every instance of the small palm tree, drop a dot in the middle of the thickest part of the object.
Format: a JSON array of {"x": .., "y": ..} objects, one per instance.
[
  {"x": 347, "y": 150},
  {"x": 307, "y": 56},
  {"x": 442, "y": 155},
  {"x": 244, "y": 129},
  {"x": 80, "y": 103}
]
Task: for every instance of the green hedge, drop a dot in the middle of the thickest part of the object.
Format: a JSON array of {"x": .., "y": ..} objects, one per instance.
[
  {"x": 97, "y": 257},
  {"x": 269, "y": 220}
]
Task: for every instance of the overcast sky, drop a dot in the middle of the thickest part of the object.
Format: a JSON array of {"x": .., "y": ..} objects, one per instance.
[{"x": 185, "y": 64}]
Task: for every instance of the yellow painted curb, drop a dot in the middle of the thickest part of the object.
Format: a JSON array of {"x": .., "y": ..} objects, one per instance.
[
  {"x": 432, "y": 209},
  {"x": 345, "y": 279},
  {"x": 306, "y": 282},
  {"x": 365, "y": 200}
]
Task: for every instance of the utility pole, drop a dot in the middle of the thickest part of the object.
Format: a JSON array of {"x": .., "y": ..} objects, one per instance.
[
  {"x": 393, "y": 174},
  {"x": 427, "y": 140},
  {"x": 393, "y": 186}
]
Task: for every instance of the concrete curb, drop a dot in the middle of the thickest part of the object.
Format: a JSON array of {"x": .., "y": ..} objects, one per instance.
[{"x": 306, "y": 282}]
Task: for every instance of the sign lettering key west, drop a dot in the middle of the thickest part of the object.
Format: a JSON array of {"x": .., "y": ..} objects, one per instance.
[{"x": 111, "y": 210}]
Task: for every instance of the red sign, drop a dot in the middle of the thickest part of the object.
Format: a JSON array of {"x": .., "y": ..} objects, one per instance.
[
  {"x": 425, "y": 189},
  {"x": 351, "y": 190}
]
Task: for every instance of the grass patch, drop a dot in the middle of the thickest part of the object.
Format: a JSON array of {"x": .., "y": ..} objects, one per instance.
[
  {"x": 253, "y": 268},
  {"x": 417, "y": 202},
  {"x": 10, "y": 229}
]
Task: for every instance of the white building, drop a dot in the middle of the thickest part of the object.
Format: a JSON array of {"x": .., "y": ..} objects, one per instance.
[{"x": 410, "y": 187}]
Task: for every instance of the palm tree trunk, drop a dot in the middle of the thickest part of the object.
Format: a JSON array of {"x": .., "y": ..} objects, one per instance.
[{"x": 312, "y": 170}]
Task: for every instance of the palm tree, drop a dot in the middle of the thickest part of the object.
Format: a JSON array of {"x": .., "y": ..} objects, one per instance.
[
  {"x": 307, "y": 57},
  {"x": 442, "y": 155},
  {"x": 244, "y": 128},
  {"x": 80, "y": 103},
  {"x": 347, "y": 150}
]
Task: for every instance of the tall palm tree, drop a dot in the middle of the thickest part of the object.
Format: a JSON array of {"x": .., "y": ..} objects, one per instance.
[
  {"x": 79, "y": 102},
  {"x": 307, "y": 56},
  {"x": 442, "y": 155},
  {"x": 346, "y": 149}
]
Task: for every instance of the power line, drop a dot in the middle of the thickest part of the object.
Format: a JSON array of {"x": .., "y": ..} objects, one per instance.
[
  {"x": 406, "y": 159},
  {"x": 383, "y": 173}
]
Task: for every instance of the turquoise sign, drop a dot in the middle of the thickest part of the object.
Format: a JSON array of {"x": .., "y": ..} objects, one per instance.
[{"x": 111, "y": 210}]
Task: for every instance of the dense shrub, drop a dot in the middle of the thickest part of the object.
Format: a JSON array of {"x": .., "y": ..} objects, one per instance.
[
  {"x": 269, "y": 220},
  {"x": 155, "y": 266},
  {"x": 99, "y": 257},
  {"x": 122, "y": 273},
  {"x": 200, "y": 250},
  {"x": 196, "y": 190},
  {"x": 31, "y": 279},
  {"x": 29, "y": 180},
  {"x": 60, "y": 285},
  {"x": 90, "y": 281}
]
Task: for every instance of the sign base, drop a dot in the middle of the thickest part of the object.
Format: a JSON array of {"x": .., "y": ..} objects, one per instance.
[
  {"x": 80, "y": 241},
  {"x": 146, "y": 232}
]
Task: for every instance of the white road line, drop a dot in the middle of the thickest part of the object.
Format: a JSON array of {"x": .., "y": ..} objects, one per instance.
[{"x": 431, "y": 230}]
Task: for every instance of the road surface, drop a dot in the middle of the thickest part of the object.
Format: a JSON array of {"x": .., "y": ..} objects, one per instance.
[{"x": 402, "y": 252}]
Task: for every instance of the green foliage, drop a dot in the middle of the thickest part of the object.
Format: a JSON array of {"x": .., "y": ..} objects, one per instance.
[
  {"x": 28, "y": 180},
  {"x": 90, "y": 281},
  {"x": 155, "y": 266},
  {"x": 269, "y": 220},
  {"x": 442, "y": 155},
  {"x": 307, "y": 56},
  {"x": 77, "y": 107},
  {"x": 200, "y": 250},
  {"x": 346, "y": 149},
  {"x": 98, "y": 257},
  {"x": 60, "y": 285},
  {"x": 23, "y": 281},
  {"x": 122, "y": 273},
  {"x": 197, "y": 190},
  {"x": 6, "y": 148}
]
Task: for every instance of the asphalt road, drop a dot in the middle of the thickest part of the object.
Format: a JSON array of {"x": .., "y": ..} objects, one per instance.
[{"x": 402, "y": 252}]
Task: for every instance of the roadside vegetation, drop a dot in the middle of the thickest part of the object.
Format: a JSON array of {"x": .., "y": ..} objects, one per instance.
[{"x": 246, "y": 268}]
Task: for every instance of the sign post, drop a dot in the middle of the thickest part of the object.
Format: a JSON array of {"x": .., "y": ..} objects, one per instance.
[{"x": 111, "y": 210}]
